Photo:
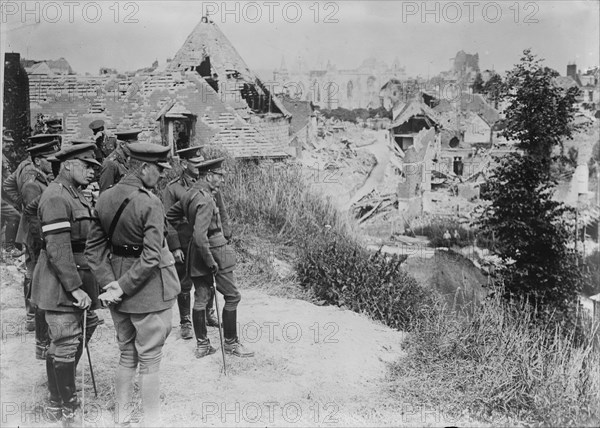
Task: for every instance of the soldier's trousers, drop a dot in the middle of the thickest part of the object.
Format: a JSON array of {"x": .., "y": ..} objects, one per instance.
[
  {"x": 203, "y": 290},
  {"x": 141, "y": 338},
  {"x": 184, "y": 298},
  {"x": 65, "y": 331}
]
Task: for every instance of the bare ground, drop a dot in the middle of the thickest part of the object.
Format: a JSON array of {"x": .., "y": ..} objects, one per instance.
[{"x": 314, "y": 366}]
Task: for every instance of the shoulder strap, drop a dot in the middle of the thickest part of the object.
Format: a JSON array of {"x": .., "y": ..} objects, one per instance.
[
  {"x": 192, "y": 221},
  {"x": 115, "y": 220}
]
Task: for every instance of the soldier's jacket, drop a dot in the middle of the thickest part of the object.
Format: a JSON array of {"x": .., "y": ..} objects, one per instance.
[
  {"x": 105, "y": 145},
  {"x": 113, "y": 168},
  {"x": 66, "y": 217},
  {"x": 149, "y": 281},
  {"x": 25, "y": 173},
  {"x": 179, "y": 237},
  {"x": 208, "y": 245},
  {"x": 13, "y": 185},
  {"x": 32, "y": 192}
]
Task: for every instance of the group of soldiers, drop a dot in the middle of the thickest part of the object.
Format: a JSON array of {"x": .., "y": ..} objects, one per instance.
[{"x": 97, "y": 235}]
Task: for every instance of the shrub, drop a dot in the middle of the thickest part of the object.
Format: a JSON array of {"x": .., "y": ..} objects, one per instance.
[{"x": 341, "y": 272}]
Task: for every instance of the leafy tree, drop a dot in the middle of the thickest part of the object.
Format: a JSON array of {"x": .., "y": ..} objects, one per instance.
[
  {"x": 529, "y": 226},
  {"x": 478, "y": 84},
  {"x": 531, "y": 234},
  {"x": 539, "y": 114}
]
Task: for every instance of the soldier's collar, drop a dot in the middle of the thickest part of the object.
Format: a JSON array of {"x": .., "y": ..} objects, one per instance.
[
  {"x": 188, "y": 173},
  {"x": 202, "y": 184},
  {"x": 66, "y": 184}
]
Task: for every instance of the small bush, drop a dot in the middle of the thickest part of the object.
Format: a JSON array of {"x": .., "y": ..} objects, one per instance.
[{"x": 342, "y": 273}]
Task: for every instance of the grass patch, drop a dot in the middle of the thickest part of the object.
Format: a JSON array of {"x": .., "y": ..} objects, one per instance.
[{"x": 497, "y": 363}]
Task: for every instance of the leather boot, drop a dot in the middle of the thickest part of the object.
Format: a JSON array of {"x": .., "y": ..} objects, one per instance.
[
  {"x": 150, "y": 392},
  {"x": 211, "y": 317},
  {"x": 53, "y": 410},
  {"x": 42, "y": 341},
  {"x": 65, "y": 379},
  {"x": 184, "y": 301},
  {"x": 124, "y": 405},
  {"x": 29, "y": 309},
  {"x": 199, "y": 321},
  {"x": 229, "y": 324},
  {"x": 232, "y": 344}
]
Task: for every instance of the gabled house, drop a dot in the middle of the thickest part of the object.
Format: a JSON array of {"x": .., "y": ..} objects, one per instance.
[
  {"x": 205, "y": 95},
  {"x": 410, "y": 120}
]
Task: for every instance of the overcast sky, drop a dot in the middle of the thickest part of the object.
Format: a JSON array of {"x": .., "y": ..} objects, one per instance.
[{"x": 133, "y": 34}]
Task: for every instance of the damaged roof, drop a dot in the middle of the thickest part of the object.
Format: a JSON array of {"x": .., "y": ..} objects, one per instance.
[
  {"x": 414, "y": 108},
  {"x": 208, "y": 41}
]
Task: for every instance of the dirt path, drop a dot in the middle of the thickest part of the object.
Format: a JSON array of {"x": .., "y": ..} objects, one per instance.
[{"x": 314, "y": 366}]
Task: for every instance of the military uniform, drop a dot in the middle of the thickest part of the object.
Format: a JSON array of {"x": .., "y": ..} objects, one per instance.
[
  {"x": 65, "y": 216},
  {"x": 105, "y": 144},
  {"x": 27, "y": 172},
  {"x": 113, "y": 169},
  {"x": 32, "y": 192},
  {"x": 115, "y": 165},
  {"x": 207, "y": 249},
  {"x": 133, "y": 252},
  {"x": 179, "y": 239}
]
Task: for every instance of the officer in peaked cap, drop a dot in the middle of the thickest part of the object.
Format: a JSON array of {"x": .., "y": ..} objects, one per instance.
[
  {"x": 25, "y": 170},
  {"x": 44, "y": 138},
  {"x": 178, "y": 239},
  {"x": 63, "y": 285},
  {"x": 115, "y": 165},
  {"x": 128, "y": 255},
  {"x": 209, "y": 257},
  {"x": 105, "y": 143},
  {"x": 97, "y": 126},
  {"x": 129, "y": 135},
  {"x": 30, "y": 181}
]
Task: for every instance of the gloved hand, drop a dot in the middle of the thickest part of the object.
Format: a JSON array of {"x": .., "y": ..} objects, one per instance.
[
  {"x": 178, "y": 256},
  {"x": 214, "y": 269}
]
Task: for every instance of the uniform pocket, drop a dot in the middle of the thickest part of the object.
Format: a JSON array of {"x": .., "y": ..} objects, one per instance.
[
  {"x": 80, "y": 226},
  {"x": 168, "y": 274},
  {"x": 224, "y": 256}
]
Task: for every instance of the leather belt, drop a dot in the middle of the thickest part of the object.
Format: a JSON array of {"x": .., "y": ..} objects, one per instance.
[
  {"x": 212, "y": 232},
  {"x": 127, "y": 250}
]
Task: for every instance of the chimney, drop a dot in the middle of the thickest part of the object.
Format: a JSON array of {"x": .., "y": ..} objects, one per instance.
[{"x": 572, "y": 71}]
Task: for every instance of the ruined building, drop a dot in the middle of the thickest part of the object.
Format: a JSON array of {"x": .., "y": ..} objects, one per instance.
[
  {"x": 329, "y": 87},
  {"x": 205, "y": 94}
]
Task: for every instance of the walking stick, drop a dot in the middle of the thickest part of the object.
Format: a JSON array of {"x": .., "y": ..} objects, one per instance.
[
  {"x": 83, "y": 369},
  {"x": 219, "y": 325},
  {"x": 87, "y": 351}
]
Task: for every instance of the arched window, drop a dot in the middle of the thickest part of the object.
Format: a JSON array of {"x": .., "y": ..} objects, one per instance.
[{"x": 349, "y": 89}]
